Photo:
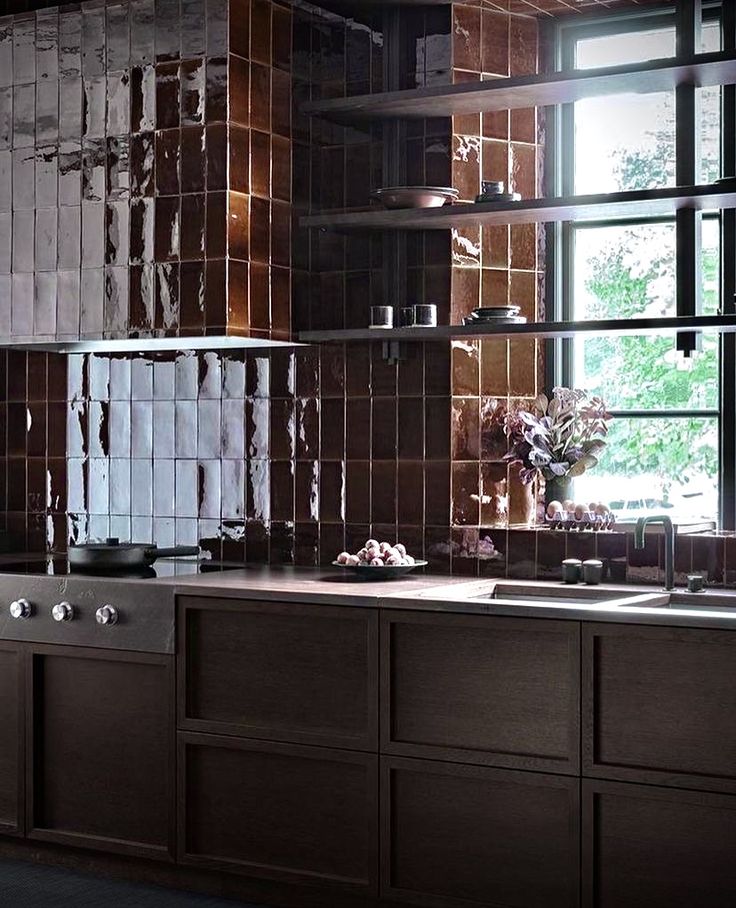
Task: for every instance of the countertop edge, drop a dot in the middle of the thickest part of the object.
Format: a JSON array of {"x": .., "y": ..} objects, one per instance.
[{"x": 415, "y": 594}]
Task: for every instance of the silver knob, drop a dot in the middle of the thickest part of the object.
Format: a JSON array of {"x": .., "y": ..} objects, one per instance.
[
  {"x": 107, "y": 615},
  {"x": 21, "y": 608},
  {"x": 62, "y": 611}
]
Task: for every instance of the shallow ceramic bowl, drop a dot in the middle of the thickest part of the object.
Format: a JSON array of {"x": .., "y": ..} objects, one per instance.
[
  {"x": 387, "y": 572},
  {"x": 415, "y": 196}
]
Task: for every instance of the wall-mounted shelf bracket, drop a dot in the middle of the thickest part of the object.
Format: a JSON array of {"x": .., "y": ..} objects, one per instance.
[{"x": 393, "y": 351}]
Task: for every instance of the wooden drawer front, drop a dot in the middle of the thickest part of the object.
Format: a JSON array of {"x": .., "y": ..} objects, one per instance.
[
  {"x": 102, "y": 750},
  {"x": 11, "y": 741},
  {"x": 646, "y": 847},
  {"x": 659, "y": 706},
  {"x": 279, "y": 811},
  {"x": 467, "y": 835},
  {"x": 494, "y": 691},
  {"x": 301, "y": 674}
]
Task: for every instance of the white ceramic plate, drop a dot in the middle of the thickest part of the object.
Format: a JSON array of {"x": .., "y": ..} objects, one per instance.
[{"x": 387, "y": 572}]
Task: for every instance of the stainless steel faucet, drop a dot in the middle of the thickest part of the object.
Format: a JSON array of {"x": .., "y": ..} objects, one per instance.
[{"x": 669, "y": 544}]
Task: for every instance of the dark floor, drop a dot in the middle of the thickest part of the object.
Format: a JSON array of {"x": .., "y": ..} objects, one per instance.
[{"x": 35, "y": 886}]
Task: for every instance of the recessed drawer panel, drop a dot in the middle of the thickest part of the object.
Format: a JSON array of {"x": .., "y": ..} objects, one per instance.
[
  {"x": 304, "y": 674},
  {"x": 659, "y": 705},
  {"x": 11, "y": 749},
  {"x": 279, "y": 811},
  {"x": 496, "y": 691},
  {"x": 469, "y": 835},
  {"x": 102, "y": 742},
  {"x": 646, "y": 847}
]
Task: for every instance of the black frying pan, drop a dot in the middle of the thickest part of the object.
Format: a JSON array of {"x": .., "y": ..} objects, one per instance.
[{"x": 113, "y": 555}]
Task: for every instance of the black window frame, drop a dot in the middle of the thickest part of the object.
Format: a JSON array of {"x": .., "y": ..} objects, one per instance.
[{"x": 559, "y": 177}]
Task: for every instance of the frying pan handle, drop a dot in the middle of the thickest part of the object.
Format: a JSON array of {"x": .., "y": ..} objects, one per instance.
[{"x": 174, "y": 552}]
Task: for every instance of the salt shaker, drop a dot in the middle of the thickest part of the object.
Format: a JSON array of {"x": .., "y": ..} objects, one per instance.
[
  {"x": 571, "y": 570},
  {"x": 592, "y": 571}
]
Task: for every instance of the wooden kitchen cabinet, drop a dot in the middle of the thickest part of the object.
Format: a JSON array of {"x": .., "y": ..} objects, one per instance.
[
  {"x": 302, "y": 674},
  {"x": 11, "y": 739},
  {"x": 101, "y": 760},
  {"x": 279, "y": 811},
  {"x": 456, "y": 836},
  {"x": 659, "y": 705},
  {"x": 481, "y": 689},
  {"x": 648, "y": 847}
]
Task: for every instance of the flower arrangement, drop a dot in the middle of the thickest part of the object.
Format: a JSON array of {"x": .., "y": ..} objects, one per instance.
[{"x": 557, "y": 438}]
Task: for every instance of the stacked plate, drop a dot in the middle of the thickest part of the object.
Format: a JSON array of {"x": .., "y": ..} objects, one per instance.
[{"x": 495, "y": 315}]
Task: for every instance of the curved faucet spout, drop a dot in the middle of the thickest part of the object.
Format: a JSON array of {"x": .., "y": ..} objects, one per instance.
[{"x": 669, "y": 544}]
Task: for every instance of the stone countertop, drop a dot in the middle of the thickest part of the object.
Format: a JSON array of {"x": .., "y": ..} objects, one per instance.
[
  {"x": 440, "y": 593},
  {"x": 292, "y": 584}
]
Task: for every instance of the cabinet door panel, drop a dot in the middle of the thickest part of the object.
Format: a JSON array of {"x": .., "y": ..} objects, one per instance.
[
  {"x": 102, "y": 764},
  {"x": 279, "y": 811},
  {"x": 659, "y": 705},
  {"x": 467, "y": 835},
  {"x": 495, "y": 691},
  {"x": 646, "y": 847},
  {"x": 11, "y": 741},
  {"x": 292, "y": 673}
]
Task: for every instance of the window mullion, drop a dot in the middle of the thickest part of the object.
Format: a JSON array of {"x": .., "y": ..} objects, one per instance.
[
  {"x": 688, "y": 220},
  {"x": 727, "y": 453}
]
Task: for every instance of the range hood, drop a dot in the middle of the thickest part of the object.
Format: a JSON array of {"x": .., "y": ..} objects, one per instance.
[
  {"x": 144, "y": 345},
  {"x": 145, "y": 179}
]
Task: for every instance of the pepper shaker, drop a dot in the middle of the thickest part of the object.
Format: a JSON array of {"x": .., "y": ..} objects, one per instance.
[{"x": 592, "y": 571}]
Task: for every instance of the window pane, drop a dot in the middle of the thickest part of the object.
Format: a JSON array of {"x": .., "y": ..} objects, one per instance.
[
  {"x": 627, "y": 142},
  {"x": 710, "y": 113},
  {"x": 624, "y": 142},
  {"x": 710, "y": 134},
  {"x": 657, "y": 466},
  {"x": 631, "y": 47},
  {"x": 615, "y": 148},
  {"x": 711, "y": 37},
  {"x": 629, "y": 272}
]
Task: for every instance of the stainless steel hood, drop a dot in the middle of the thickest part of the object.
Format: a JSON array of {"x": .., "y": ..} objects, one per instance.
[{"x": 143, "y": 345}]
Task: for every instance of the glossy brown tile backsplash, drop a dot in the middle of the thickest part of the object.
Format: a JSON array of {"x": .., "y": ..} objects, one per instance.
[
  {"x": 137, "y": 195},
  {"x": 243, "y": 454}
]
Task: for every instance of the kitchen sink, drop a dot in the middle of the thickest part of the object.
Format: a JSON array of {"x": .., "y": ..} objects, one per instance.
[
  {"x": 558, "y": 595},
  {"x": 554, "y": 595},
  {"x": 581, "y": 597},
  {"x": 702, "y": 602}
]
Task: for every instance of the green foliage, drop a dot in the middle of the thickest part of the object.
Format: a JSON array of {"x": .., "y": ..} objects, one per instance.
[{"x": 631, "y": 276}]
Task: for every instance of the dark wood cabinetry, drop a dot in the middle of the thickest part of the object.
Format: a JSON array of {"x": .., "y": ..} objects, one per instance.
[
  {"x": 101, "y": 755},
  {"x": 280, "y": 811},
  {"x": 521, "y": 763},
  {"x": 647, "y": 847},
  {"x": 293, "y": 673},
  {"x": 496, "y": 691},
  {"x": 458, "y": 836},
  {"x": 11, "y": 739},
  {"x": 659, "y": 705}
]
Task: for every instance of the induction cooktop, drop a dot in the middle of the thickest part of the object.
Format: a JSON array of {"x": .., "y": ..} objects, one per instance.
[{"x": 58, "y": 565}]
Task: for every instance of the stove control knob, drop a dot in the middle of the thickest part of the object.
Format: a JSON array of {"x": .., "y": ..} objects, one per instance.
[
  {"x": 21, "y": 608},
  {"x": 107, "y": 615},
  {"x": 62, "y": 612}
]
